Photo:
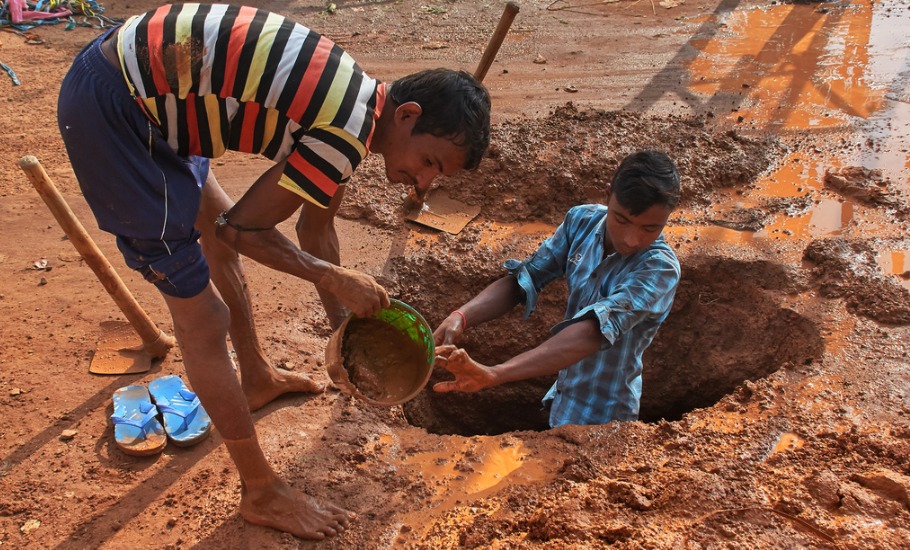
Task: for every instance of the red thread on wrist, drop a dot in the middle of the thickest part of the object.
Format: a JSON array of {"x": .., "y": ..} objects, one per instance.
[{"x": 464, "y": 320}]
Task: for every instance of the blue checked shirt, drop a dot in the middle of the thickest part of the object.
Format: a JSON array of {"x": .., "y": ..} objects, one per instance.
[{"x": 628, "y": 296}]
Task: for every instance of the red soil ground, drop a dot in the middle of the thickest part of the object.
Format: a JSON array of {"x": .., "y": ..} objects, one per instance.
[{"x": 776, "y": 400}]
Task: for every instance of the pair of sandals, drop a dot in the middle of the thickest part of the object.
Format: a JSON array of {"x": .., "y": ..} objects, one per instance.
[{"x": 137, "y": 429}]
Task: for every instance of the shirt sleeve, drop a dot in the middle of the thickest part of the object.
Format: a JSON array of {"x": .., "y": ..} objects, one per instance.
[
  {"x": 319, "y": 163},
  {"x": 647, "y": 292},
  {"x": 544, "y": 266}
]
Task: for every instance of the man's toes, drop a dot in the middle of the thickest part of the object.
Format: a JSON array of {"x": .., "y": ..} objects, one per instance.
[{"x": 307, "y": 384}]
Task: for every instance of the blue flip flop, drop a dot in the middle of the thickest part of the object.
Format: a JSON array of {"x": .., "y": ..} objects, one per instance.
[
  {"x": 136, "y": 427},
  {"x": 185, "y": 421}
]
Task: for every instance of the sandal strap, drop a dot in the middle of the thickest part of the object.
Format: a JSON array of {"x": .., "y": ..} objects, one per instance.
[
  {"x": 184, "y": 396},
  {"x": 148, "y": 414}
]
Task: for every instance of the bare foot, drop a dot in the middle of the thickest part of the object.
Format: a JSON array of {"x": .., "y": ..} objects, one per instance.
[
  {"x": 281, "y": 507},
  {"x": 279, "y": 382}
]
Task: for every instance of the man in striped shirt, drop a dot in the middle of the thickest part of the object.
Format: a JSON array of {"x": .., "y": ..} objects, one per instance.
[
  {"x": 621, "y": 276},
  {"x": 143, "y": 109}
]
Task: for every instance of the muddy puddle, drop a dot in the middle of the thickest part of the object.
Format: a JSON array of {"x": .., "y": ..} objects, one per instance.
[
  {"x": 896, "y": 263},
  {"x": 832, "y": 82}
]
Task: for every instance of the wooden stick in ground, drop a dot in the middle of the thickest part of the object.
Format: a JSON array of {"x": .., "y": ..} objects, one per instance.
[
  {"x": 489, "y": 54},
  {"x": 155, "y": 342}
]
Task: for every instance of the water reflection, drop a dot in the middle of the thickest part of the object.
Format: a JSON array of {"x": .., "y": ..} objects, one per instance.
[
  {"x": 896, "y": 263},
  {"x": 789, "y": 67},
  {"x": 837, "y": 73}
]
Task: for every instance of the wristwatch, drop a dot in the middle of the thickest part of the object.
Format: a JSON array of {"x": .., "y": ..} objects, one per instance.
[{"x": 222, "y": 220}]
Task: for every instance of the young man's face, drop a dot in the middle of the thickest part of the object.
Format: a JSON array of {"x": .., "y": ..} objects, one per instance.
[
  {"x": 629, "y": 234},
  {"x": 416, "y": 159}
]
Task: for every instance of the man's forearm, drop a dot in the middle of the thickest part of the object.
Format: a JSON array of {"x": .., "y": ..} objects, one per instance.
[
  {"x": 493, "y": 302},
  {"x": 272, "y": 249},
  {"x": 570, "y": 345}
]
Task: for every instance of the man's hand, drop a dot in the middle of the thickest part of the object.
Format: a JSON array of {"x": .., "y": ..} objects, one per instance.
[
  {"x": 470, "y": 376},
  {"x": 414, "y": 200},
  {"x": 450, "y": 330},
  {"x": 357, "y": 291}
]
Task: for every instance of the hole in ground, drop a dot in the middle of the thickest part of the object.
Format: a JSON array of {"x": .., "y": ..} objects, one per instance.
[{"x": 727, "y": 326}]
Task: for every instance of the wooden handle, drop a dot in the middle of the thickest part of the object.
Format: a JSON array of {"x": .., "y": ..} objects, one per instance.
[
  {"x": 489, "y": 54},
  {"x": 154, "y": 341}
]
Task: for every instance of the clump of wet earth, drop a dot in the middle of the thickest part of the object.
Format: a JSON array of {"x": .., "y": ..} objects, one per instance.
[
  {"x": 382, "y": 362},
  {"x": 866, "y": 185}
]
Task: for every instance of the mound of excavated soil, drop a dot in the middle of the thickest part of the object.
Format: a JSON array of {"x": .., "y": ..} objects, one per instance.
[{"x": 536, "y": 169}]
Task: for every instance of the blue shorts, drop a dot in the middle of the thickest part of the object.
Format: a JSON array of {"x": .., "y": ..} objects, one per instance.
[{"x": 138, "y": 188}]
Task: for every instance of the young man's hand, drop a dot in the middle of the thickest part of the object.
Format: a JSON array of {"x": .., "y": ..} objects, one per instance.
[
  {"x": 450, "y": 330},
  {"x": 357, "y": 291},
  {"x": 470, "y": 376}
]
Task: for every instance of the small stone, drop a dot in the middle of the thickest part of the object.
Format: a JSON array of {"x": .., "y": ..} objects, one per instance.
[
  {"x": 68, "y": 435},
  {"x": 30, "y": 526}
]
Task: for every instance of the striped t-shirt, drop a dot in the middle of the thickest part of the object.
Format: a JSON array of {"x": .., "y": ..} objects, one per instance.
[{"x": 216, "y": 77}]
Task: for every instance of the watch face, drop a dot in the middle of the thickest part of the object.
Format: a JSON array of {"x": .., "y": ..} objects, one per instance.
[{"x": 221, "y": 220}]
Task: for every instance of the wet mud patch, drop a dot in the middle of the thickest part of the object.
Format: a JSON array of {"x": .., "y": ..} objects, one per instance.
[
  {"x": 847, "y": 269},
  {"x": 381, "y": 361},
  {"x": 728, "y": 326},
  {"x": 536, "y": 169}
]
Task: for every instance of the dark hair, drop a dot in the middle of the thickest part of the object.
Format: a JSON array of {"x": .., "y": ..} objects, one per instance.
[
  {"x": 645, "y": 179},
  {"x": 455, "y": 105}
]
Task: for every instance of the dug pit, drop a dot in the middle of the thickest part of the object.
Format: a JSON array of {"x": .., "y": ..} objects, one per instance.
[{"x": 728, "y": 325}]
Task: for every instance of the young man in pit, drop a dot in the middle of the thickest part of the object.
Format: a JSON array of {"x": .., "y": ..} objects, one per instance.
[
  {"x": 621, "y": 276},
  {"x": 143, "y": 109}
]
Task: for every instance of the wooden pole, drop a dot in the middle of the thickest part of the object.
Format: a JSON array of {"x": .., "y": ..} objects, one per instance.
[
  {"x": 155, "y": 342},
  {"x": 489, "y": 54}
]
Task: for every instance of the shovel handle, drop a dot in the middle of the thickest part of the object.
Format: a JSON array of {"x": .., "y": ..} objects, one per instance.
[
  {"x": 489, "y": 54},
  {"x": 155, "y": 342}
]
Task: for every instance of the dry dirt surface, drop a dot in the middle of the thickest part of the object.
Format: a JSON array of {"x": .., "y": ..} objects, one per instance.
[{"x": 776, "y": 397}]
